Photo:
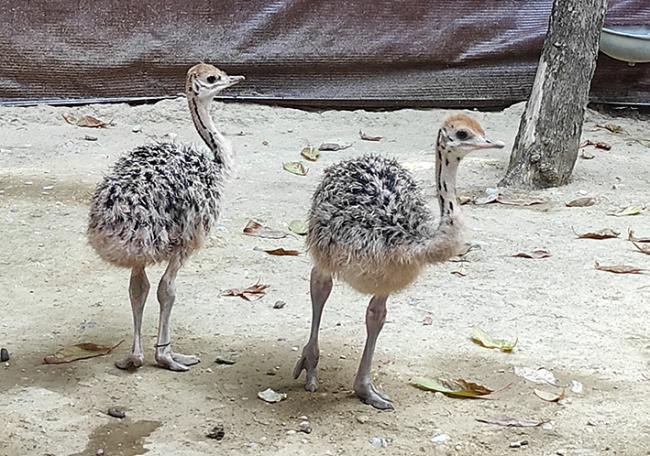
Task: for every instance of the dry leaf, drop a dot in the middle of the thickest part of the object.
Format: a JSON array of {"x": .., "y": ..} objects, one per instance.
[
  {"x": 642, "y": 248},
  {"x": 549, "y": 396},
  {"x": 605, "y": 233},
  {"x": 536, "y": 254},
  {"x": 619, "y": 268},
  {"x": 79, "y": 351},
  {"x": 463, "y": 200},
  {"x": 299, "y": 227},
  {"x": 85, "y": 121},
  {"x": 460, "y": 272},
  {"x": 254, "y": 228},
  {"x": 585, "y": 201},
  {"x": 482, "y": 338},
  {"x": 367, "y": 137},
  {"x": 598, "y": 145},
  {"x": 296, "y": 168},
  {"x": 310, "y": 153},
  {"x": 520, "y": 202},
  {"x": 540, "y": 375},
  {"x": 279, "y": 252},
  {"x": 252, "y": 293},
  {"x": 586, "y": 155},
  {"x": 454, "y": 388},
  {"x": 511, "y": 422},
  {"x": 630, "y": 210},
  {"x": 333, "y": 147},
  {"x": 611, "y": 127},
  {"x": 631, "y": 237}
]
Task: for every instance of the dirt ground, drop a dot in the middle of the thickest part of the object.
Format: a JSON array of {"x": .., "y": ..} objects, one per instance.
[{"x": 582, "y": 324}]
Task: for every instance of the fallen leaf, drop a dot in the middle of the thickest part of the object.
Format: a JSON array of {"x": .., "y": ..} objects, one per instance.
[
  {"x": 605, "y": 233},
  {"x": 586, "y": 155},
  {"x": 540, "y": 375},
  {"x": 598, "y": 145},
  {"x": 631, "y": 237},
  {"x": 454, "y": 388},
  {"x": 642, "y": 248},
  {"x": 536, "y": 254},
  {"x": 460, "y": 272},
  {"x": 279, "y": 252},
  {"x": 367, "y": 137},
  {"x": 85, "y": 121},
  {"x": 520, "y": 202},
  {"x": 482, "y": 338},
  {"x": 511, "y": 422},
  {"x": 299, "y": 227},
  {"x": 296, "y": 168},
  {"x": 270, "y": 396},
  {"x": 585, "y": 201},
  {"x": 630, "y": 210},
  {"x": 463, "y": 200},
  {"x": 79, "y": 351},
  {"x": 254, "y": 228},
  {"x": 310, "y": 153},
  {"x": 611, "y": 127},
  {"x": 333, "y": 147},
  {"x": 619, "y": 268},
  {"x": 549, "y": 396},
  {"x": 252, "y": 293}
]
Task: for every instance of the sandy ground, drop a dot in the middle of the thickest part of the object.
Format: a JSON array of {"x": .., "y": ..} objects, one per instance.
[{"x": 580, "y": 323}]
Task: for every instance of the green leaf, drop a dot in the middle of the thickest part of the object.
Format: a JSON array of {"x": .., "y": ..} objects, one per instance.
[
  {"x": 484, "y": 339},
  {"x": 454, "y": 388},
  {"x": 296, "y": 168},
  {"x": 630, "y": 210},
  {"x": 299, "y": 227},
  {"x": 310, "y": 153}
]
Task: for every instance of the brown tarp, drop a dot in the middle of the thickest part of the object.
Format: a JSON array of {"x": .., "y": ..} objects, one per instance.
[{"x": 320, "y": 52}]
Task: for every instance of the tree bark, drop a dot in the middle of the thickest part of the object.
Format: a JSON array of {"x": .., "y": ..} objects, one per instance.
[{"x": 546, "y": 146}]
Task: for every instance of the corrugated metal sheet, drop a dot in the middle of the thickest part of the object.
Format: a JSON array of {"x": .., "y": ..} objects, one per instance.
[{"x": 347, "y": 53}]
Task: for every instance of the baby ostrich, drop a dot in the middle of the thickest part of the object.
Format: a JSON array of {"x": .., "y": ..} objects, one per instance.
[
  {"x": 370, "y": 226},
  {"x": 158, "y": 204}
]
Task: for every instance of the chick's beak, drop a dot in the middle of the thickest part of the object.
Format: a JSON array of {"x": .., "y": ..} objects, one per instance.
[{"x": 486, "y": 143}]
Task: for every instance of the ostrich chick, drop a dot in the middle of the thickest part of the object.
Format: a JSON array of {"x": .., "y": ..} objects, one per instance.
[
  {"x": 369, "y": 225},
  {"x": 158, "y": 204}
]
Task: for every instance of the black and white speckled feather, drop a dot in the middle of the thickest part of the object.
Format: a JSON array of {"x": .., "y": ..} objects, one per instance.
[{"x": 160, "y": 199}]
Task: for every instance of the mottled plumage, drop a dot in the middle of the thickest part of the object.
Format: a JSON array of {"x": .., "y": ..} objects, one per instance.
[
  {"x": 368, "y": 215},
  {"x": 370, "y": 226},
  {"x": 158, "y": 204},
  {"x": 159, "y": 200}
]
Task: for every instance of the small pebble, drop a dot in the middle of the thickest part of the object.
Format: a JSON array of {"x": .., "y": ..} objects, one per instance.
[
  {"x": 518, "y": 444},
  {"x": 216, "y": 433},
  {"x": 227, "y": 362},
  {"x": 379, "y": 442},
  {"x": 99, "y": 452},
  {"x": 305, "y": 426},
  {"x": 136, "y": 129},
  {"x": 4, "y": 355},
  {"x": 266, "y": 143},
  {"x": 90, "y": 138},
  {"x": 362, "y": 419},
  {"x": 271, "y": 372},
  {"x": 279, "y": 304},
  {"x": 441, "y": 439},
  {"x": 116, "y": 412}
]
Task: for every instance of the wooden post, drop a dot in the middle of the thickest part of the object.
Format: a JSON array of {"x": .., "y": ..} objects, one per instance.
[{"x": 546, "y": 146}]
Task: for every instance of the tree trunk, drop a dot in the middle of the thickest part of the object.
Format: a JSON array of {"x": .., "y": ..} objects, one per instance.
[{"x": 547, "y": 143}]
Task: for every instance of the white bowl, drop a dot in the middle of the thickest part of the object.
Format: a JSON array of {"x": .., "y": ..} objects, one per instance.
[{"x": 630, "y": 44}]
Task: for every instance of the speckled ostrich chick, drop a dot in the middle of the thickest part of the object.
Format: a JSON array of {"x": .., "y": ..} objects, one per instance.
[
  {"x": 158, "y": 205},
  {"x": 369, "y": 225}
]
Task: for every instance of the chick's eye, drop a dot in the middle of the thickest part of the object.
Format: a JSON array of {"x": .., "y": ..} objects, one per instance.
[
  {"x": 211, "y": 79},
  {"x": 462, "y": 135}
]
